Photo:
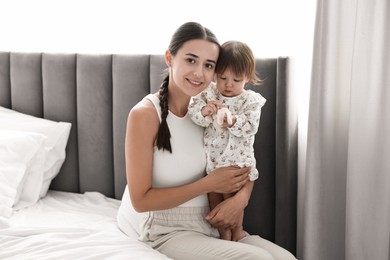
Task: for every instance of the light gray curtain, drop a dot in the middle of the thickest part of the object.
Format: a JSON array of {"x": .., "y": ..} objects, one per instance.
[{"x": 346, "y": 207}]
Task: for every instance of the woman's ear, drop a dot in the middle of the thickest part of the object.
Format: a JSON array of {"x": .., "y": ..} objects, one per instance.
[{"x": 168, "y": 58}]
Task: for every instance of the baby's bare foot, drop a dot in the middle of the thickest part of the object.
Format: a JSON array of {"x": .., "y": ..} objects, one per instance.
[
  {"x": 238, "y": 235},
  {"x": 225, "y": 234}
]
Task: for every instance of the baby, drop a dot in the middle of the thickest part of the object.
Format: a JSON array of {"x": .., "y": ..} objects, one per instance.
[{"x": 231, "y": 117}]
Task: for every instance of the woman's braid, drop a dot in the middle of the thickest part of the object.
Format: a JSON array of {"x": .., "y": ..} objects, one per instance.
[{"x": 164, "y": 135}]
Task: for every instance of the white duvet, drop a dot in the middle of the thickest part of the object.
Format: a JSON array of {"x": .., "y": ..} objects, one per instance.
[{"x": 67, "y": 225}]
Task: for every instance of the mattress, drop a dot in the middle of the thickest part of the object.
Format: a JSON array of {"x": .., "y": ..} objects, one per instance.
[{"x": 66, "y": 225}]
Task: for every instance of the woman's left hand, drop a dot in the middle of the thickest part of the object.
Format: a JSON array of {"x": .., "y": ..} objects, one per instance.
[{"x": 226, "y": 214}]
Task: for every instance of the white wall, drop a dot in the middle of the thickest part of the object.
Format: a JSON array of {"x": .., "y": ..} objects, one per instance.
[{"x": 271, "y": 27}]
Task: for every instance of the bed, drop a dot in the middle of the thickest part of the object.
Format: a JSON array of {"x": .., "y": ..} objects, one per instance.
[{"x": 70, "y": 109}]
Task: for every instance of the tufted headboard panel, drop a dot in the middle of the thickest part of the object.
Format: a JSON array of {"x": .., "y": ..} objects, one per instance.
[{"x": 95, "y": 93}]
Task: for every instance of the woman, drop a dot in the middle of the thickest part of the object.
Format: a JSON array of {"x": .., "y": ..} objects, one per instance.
[{"x": 165, "y": 201}]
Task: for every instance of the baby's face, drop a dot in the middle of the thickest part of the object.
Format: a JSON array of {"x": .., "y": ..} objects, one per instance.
[{"x": 229, "y": 84}]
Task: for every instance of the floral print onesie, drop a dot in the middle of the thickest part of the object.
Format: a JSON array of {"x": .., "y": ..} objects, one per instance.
[{"x": 232, "y": 146}]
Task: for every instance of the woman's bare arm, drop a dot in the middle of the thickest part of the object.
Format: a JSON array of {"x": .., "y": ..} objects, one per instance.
[{"x": 142, "y": 127}]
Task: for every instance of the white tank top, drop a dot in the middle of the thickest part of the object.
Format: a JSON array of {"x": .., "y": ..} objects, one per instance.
[
  {"x": 187, "y": 161},
  {"x": 186, "y": 164}
]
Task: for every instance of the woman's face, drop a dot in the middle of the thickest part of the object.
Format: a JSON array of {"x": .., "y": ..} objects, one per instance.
[{"x": 192, "y": 68}]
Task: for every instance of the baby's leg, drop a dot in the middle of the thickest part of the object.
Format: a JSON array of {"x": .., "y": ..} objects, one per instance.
[{"x": 236, "y": 233}]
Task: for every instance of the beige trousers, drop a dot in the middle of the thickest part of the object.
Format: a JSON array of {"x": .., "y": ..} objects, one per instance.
[{"x": 183, "y": 233}]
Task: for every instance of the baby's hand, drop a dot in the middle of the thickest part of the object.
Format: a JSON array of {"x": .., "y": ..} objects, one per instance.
[
  {"x": 211, "y": 108},
  {"x": 223, "y": 115},
  {"x": 225, "y": 118},
  {"x": 229, "y": 123}
]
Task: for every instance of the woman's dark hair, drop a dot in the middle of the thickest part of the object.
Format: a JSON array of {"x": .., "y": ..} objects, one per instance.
[{"x": 186, "y": 32}]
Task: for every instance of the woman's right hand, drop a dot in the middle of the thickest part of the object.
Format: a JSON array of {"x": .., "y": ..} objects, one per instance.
[{"x": 228, "y": 179}]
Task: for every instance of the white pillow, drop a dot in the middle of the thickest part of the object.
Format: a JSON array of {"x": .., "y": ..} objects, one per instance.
[
  {"x": 22, "y": 157},
  {"x": 57, "y": 134}
]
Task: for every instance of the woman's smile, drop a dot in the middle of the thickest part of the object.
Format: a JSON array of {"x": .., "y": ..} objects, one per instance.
[{"x": 195, "y": 83}]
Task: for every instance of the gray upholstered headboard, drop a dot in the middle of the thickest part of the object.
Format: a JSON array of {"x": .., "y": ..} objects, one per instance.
[{"x": 96, "y": 92}]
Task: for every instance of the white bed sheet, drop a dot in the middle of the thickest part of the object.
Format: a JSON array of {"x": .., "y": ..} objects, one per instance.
[{"x": 67, "y": 225}]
